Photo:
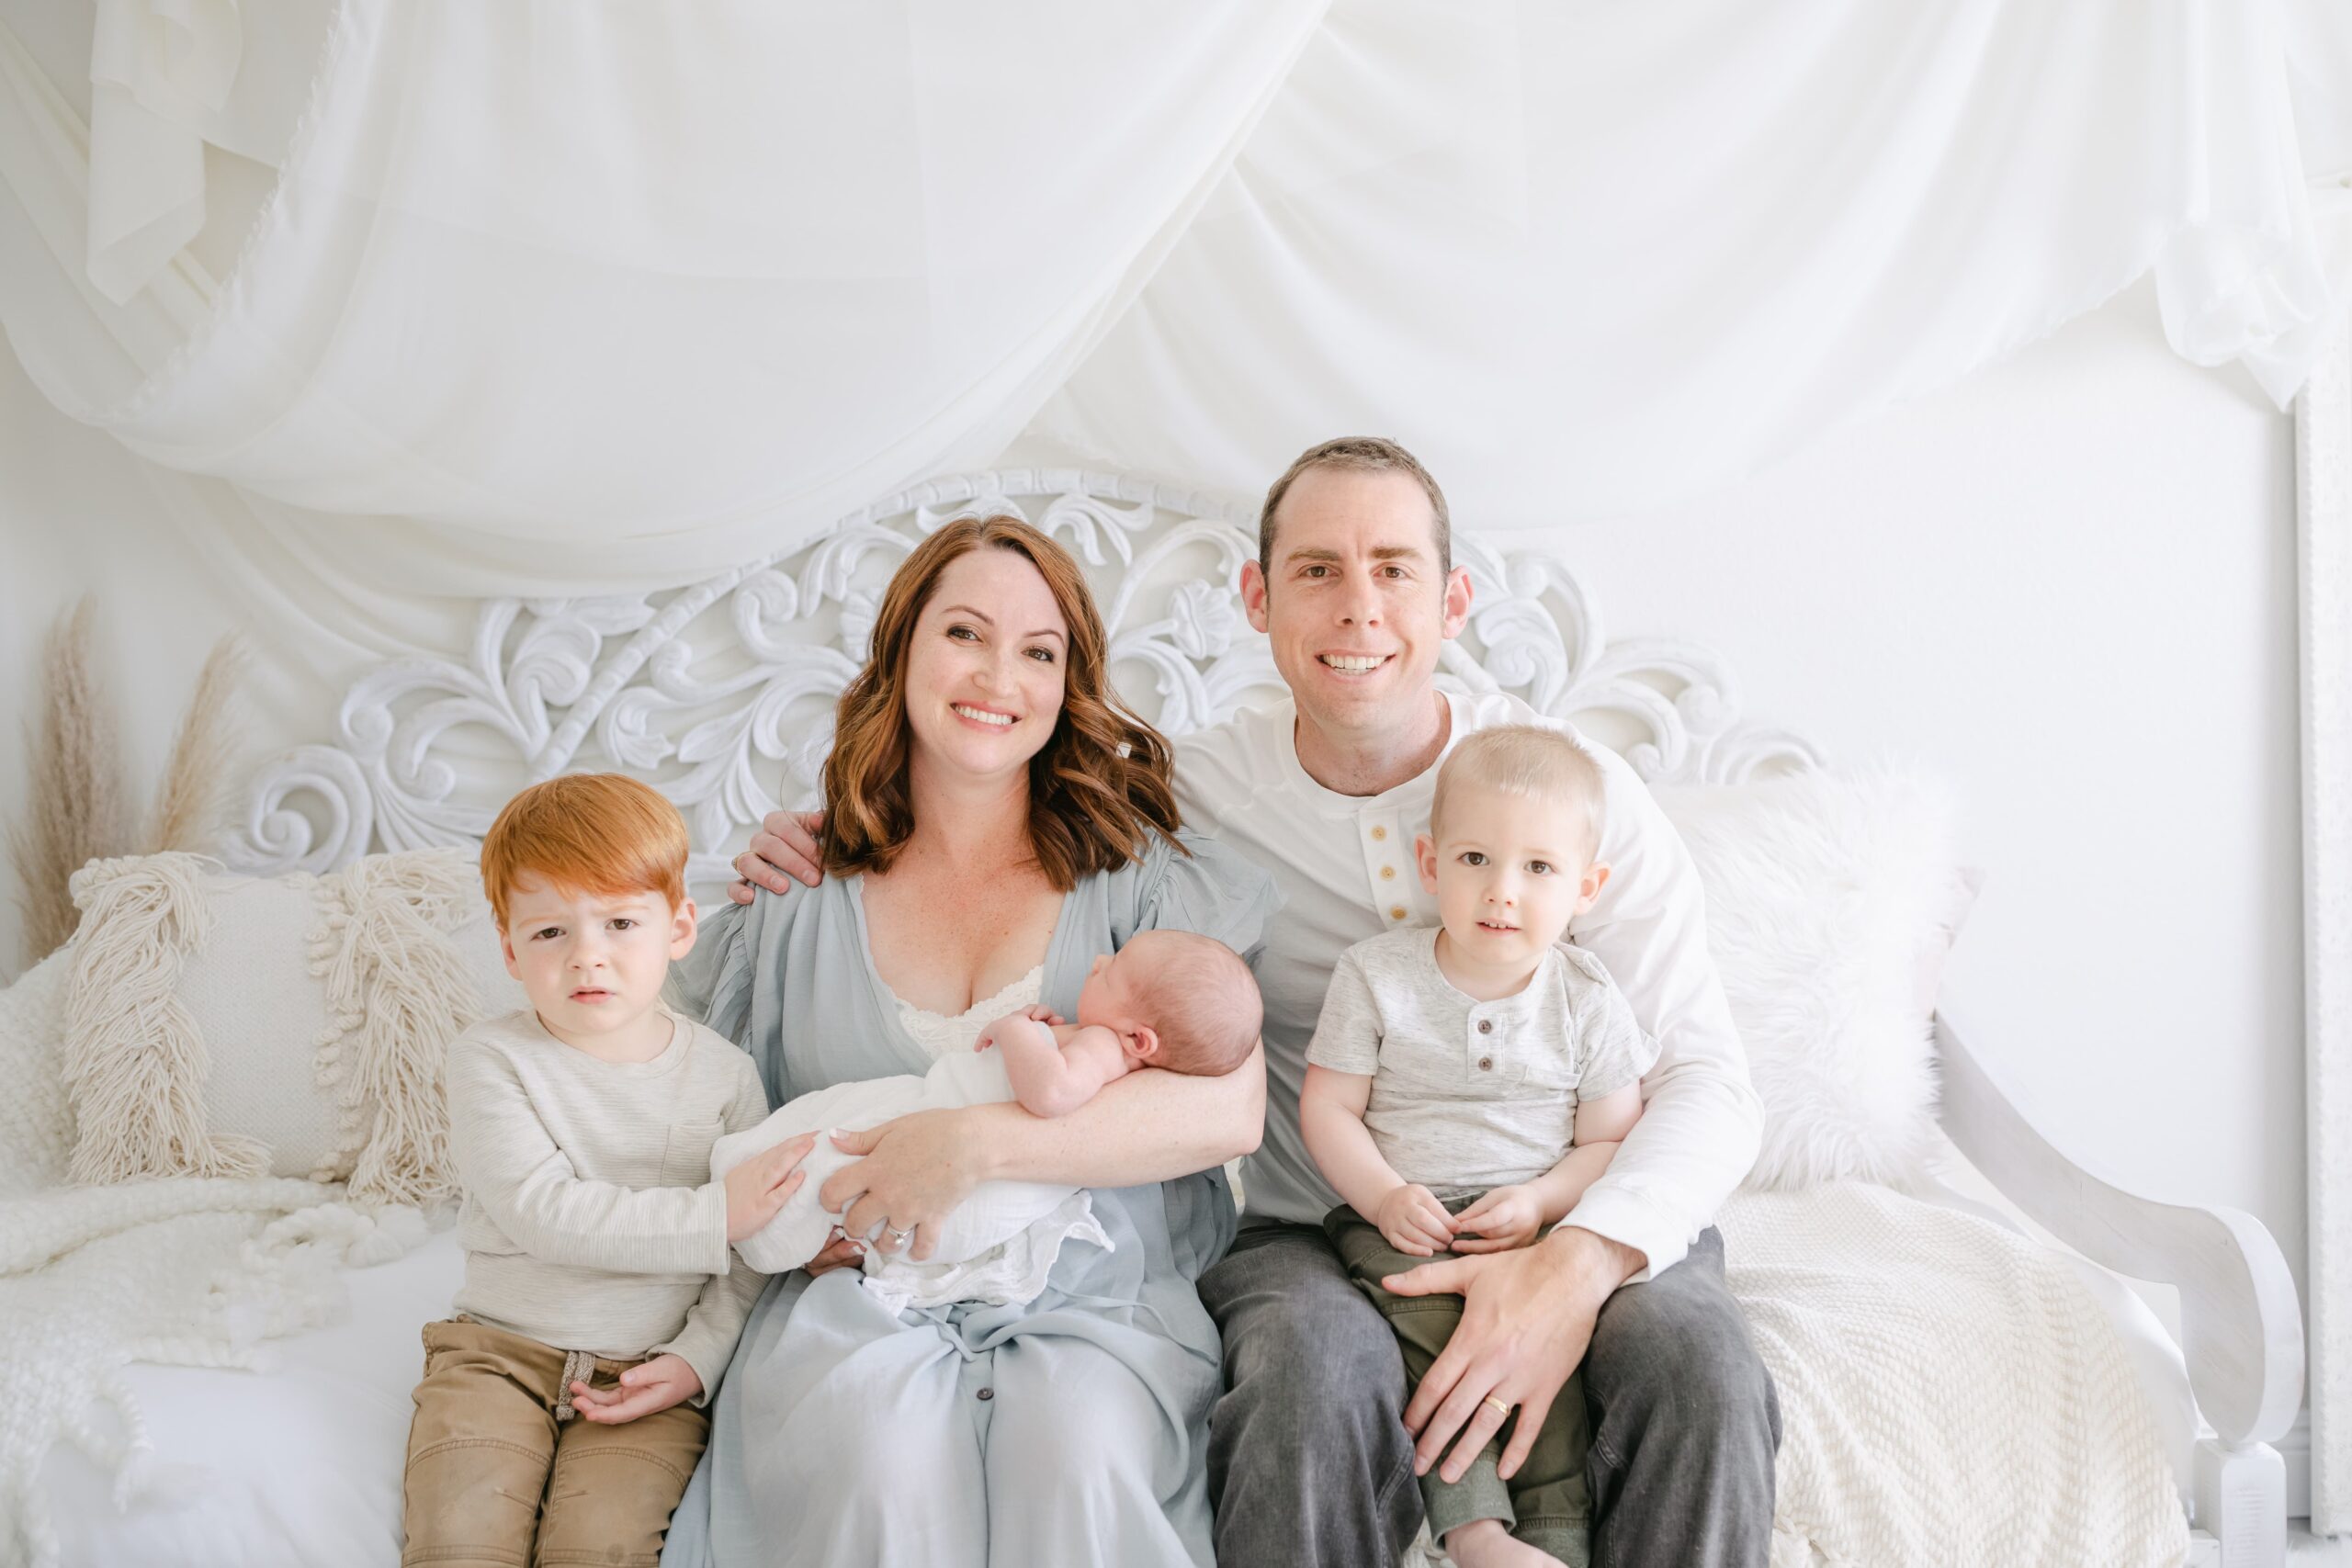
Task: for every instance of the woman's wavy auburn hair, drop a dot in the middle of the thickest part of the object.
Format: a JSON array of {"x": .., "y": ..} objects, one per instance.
[{"x": 1098, "y": 789}]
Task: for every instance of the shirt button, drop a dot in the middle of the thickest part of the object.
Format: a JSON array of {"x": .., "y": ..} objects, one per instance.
[
  {"x": 1397, "y": 912},
  {"x": 1485, "y": 1064},
  {"x": 1485, "y": 1026},
  {"x": 987, "y": 1393},
  {"x": 1388, "y": 873},
  {"x": 1378, "y": 834}
]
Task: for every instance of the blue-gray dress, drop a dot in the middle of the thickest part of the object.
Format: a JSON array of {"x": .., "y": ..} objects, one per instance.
[{"x": 1072, "y": 1429}]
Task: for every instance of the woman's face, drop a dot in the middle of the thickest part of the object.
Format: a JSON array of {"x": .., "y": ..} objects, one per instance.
[{"x": 984, "y": 672}]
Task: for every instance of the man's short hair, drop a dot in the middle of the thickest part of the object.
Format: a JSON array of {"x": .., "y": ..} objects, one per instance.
[
  {"x": 1370, "y": 454},
  {"x": 602, "y": 833},
  {"x": 1524, "y": 759}
]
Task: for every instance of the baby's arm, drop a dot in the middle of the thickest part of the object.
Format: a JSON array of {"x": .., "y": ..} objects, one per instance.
[
  {"x": 1055, "y": 1068},
  {"x": 1331, "y": 1115}
]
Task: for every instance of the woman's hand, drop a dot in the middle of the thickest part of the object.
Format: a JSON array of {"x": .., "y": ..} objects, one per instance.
[{"x": 916, "y": 1169}]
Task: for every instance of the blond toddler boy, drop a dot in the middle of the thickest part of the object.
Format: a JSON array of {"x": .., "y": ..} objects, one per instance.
[
  {"x": 1465, "y": 1084},
  {"x": 562, "y": 1409}
]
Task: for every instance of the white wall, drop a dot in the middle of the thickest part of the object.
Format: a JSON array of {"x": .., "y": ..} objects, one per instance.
[{"x": 2068, "y": 582}]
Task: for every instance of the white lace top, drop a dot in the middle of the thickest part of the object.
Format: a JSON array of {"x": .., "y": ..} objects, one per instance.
[{"x": 940, "y": 1034}]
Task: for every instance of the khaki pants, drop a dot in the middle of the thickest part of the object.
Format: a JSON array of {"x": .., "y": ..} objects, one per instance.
[
  {"x": 1548, "y": 1504},
  {"x": 496, "y": 1481}
]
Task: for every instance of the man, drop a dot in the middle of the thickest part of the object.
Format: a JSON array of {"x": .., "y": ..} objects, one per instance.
[{"x": 1311, "y": 1459}]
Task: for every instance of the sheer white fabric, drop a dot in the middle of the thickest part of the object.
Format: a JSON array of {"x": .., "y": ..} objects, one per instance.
[{"x": 576, "y": 298}]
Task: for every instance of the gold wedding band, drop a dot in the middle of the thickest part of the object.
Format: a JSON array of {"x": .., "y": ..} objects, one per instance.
[{"x": 1498, "y": 1403}]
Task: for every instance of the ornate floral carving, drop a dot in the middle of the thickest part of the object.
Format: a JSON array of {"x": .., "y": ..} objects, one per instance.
[{"x": 721, "y": 692}]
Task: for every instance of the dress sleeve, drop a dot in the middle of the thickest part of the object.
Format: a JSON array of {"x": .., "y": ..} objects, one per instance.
[
  {"x": 1211, "y": 890},
  {"x": 713, "y": 981}
]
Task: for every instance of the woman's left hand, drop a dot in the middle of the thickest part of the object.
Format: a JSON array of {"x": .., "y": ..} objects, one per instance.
[{"x": 916, "y": 1169}]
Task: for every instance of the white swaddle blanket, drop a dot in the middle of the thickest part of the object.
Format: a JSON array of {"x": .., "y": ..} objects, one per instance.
[{"x": 997, "y": 1245}]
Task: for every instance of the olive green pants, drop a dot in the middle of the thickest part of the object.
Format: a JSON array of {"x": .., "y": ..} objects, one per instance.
[
  {"x": 1546, "y": 1504},
  {"x": 497, "y": 1479}
]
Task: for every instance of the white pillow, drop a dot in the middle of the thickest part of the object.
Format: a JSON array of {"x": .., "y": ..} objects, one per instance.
[
  {"x": 1831, "y": 901},
  {"x": 292, "y": 1025}
]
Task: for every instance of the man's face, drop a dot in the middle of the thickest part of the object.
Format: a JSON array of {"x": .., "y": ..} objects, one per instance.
[{"x": 1354, "y": 604}]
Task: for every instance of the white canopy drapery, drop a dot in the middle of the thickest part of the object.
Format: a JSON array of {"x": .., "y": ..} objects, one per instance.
[{"x": 585, "y": 297}]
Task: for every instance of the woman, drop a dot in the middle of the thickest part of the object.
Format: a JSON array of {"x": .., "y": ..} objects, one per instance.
[{"x": 994, "y": 823}]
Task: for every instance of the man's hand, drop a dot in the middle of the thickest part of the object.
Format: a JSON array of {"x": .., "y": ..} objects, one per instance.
[
  {"x": 1527, "y": 1319},
  {"x": 757, "y": 1187},
  {"x": 1412, "y": 1221},
  {"x": 645, "y": 1388},
  {"x": 916, "y": 1169},
  {"x": 1505, "y": 1219},
  {"x": 785, "y": 846}
]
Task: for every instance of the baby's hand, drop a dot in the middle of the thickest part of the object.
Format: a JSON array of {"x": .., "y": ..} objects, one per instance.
[
  {"x": 1505, "y": 1218},
  {"x": 1414, "y": 1222},
  {"x": 994, "y": 1032},
  {"x": 757, "y": 1187},
  {"x": 645, "y": 1388}
]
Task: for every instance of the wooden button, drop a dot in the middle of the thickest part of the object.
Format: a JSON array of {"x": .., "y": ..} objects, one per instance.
[
  {"x": 1388, "y": 873},
  {"x": 1485, "y": 1064},
  {"x": 1378, "y": 834},
  {"x": 1485, "y": 1026},
  {"x": 1397, "y": 912}
]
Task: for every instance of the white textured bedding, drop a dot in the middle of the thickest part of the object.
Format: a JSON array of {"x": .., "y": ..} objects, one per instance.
[
  {"x": 301, "y": 1465},
  {"x": 298, "y": 1467}
]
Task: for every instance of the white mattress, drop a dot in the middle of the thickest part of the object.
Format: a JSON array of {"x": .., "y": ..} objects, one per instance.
[{"x": 299, "y": 1467}]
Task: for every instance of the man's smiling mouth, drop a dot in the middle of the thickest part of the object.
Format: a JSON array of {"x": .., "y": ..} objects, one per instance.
[{"x": 1353, "y": 663}]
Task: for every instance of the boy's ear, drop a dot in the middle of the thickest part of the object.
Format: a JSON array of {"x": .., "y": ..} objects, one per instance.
[
  {"x": 506, "y": 950},
  {"x": 1425, "y": 855},
  {"x": 1144, "y": 1043},
  {"x": 682, "y": 928},
  {"x": 1596, "y": 877}
]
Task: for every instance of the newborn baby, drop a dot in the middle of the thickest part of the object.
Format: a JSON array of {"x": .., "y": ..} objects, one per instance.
[{"x": 1169, "y": 999}]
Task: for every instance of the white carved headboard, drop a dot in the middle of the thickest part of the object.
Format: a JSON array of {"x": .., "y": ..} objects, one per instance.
[{"x": 721, "y": 693}]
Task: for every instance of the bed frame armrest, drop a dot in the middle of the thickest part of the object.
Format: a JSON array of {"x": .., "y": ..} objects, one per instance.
[{"x": 2241, "y": 1326}]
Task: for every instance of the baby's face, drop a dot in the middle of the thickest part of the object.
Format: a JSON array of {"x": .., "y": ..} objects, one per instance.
[
  {"x": 592, "y": 962},
  {"x": 1510, "y": 873}
]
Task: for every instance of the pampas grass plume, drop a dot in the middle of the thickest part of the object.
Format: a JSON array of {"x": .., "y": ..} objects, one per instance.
[
  {"x": 189, "y": 802},
  {"x": 74, "y": 813}
]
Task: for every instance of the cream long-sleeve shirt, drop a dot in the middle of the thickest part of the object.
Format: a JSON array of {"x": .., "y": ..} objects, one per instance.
[
  {"x": 1345, "y": 867},
  {"x": 590, "y": 1220}
]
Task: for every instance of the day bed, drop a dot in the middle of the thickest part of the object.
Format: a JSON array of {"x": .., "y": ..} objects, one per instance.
[{"x": 719, "y": 692}]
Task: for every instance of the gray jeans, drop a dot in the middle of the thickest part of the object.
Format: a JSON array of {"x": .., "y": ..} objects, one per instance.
[{"x": 1308, "y": 1458}]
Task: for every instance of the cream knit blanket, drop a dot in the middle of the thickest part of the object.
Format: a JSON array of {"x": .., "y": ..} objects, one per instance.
[
  {"x": 1950, "y": 1393},
  {"x": 190, "y": 1270}
]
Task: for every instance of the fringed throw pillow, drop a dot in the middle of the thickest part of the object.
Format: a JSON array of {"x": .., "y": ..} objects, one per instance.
[{"x": 290, "y": 1026}]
